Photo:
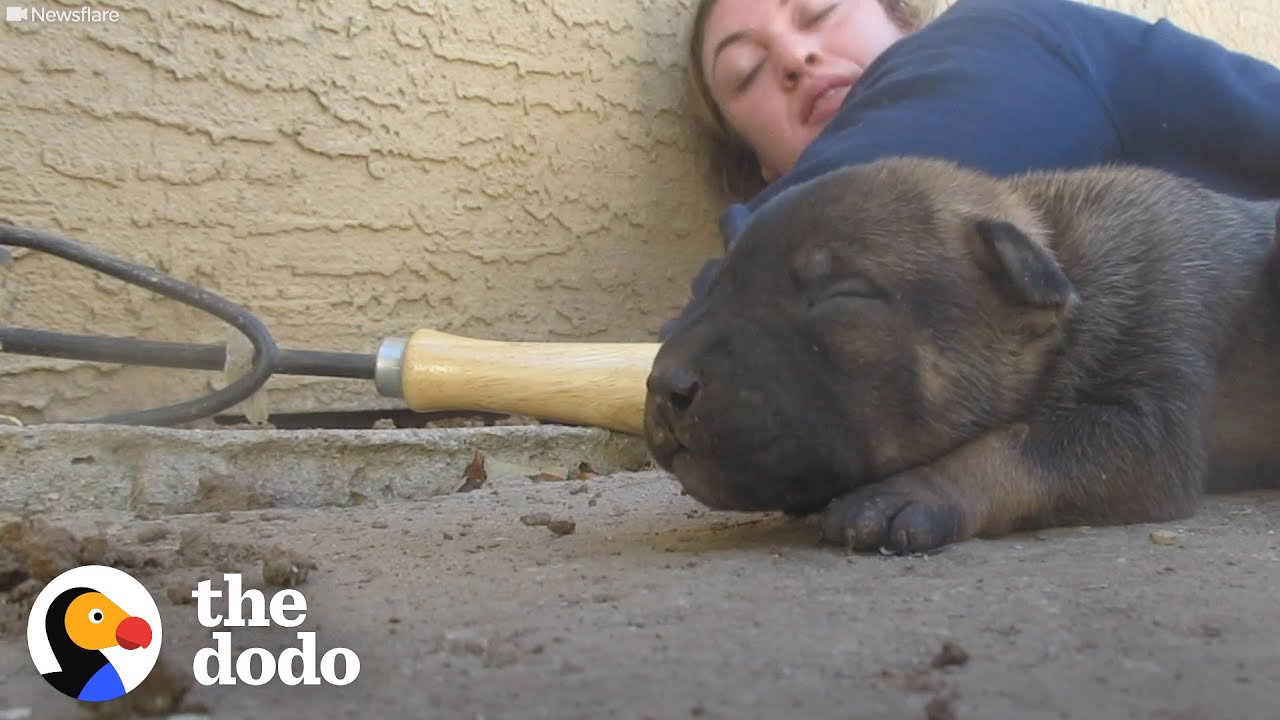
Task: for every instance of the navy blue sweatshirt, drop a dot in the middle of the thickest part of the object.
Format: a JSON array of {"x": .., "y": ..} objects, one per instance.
[{"x": 1009, "y": 86}]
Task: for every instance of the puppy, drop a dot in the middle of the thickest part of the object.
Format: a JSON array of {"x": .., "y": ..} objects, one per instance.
[{"x": 927, "y": 354}]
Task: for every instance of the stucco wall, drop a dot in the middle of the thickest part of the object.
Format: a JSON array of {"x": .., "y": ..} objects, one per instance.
[{"x": 356, "y": 169}]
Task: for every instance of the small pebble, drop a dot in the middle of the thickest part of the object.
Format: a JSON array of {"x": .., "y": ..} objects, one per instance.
[
  {"x": 950, "y": 654},
  {"x": 562, "y": 527},
  {"x": 286, "y": 572},
  {"x": 93, "y": 550},
  {"x": 152, "y": 534},
  {"x": 939, "y": 708},
  {"x": 1164, "y": 537},
  {"x": 536, "y": 519}
]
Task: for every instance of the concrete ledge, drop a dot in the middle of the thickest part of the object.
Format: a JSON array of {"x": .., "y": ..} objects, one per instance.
[{"x": 81, "y": 467}]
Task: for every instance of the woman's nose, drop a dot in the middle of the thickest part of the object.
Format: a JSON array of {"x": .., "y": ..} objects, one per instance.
[{"x": 796, "y": 63}]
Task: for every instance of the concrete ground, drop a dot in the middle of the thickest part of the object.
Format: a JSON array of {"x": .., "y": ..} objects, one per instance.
[{"x": 490, "y": 604}]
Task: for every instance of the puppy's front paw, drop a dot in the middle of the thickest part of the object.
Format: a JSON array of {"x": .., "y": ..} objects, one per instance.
[{"x": 908, "y": 513}]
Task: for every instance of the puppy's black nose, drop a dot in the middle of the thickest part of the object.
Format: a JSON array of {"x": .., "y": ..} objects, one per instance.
[{"x": 677, "y": 385}]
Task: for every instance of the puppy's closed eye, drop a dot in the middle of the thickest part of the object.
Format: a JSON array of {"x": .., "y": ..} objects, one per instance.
[{"x": 852, "y": 288}]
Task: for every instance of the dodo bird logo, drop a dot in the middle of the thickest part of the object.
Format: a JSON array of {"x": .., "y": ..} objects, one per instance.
[{"x": 94, "y": 633}]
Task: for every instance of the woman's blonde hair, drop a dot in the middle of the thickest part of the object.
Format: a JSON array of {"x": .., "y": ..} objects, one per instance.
[{"x": 733, "y": 162}]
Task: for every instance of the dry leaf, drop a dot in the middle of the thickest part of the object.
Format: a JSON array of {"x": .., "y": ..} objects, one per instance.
[
  {"x": 474, "y": 476},
  {"x": 582, "y": 472}
]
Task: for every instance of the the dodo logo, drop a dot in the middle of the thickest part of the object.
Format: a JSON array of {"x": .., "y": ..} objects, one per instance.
[{"x": 94, "y": 633}]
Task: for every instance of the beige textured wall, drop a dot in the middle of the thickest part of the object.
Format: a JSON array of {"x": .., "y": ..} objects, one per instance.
[
  {"x": 352, "y": 169},
  {"x": 348, "y": 170}
]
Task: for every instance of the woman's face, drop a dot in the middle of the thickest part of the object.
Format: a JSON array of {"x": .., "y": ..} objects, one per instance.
[{"x": 779, "y": 69}]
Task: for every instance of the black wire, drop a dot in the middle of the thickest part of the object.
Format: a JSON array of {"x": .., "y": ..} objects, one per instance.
[
  {"x": 328, "y": 364},
  {"x": 101, "y": 348},
  {"x": 265, "y": 352},
  {"x": 129, "y": 351}
]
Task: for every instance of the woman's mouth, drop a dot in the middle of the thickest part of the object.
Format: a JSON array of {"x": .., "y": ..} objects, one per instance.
[{"x": 826, "y": 103}]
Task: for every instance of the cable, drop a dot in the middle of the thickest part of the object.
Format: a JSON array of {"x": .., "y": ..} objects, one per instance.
[
  {"x": 265, "y": 352},
  {"x": 128, "y": 351}
]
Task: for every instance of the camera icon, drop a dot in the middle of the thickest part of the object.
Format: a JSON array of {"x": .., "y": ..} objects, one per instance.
[{"x": 15, "y": 14}]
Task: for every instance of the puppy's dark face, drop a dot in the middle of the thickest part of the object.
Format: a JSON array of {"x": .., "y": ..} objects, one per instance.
[{"x": 867, "y": 322}]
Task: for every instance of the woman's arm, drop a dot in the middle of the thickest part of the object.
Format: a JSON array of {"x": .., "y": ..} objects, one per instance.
[
  {"x": 978, "y": 86},
  {"x": 1010, "y": 86},
  {"x": 1187, "y": 104}
]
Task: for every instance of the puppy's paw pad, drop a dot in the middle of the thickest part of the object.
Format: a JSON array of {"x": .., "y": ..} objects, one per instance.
[{"x": 898, "y": 517}]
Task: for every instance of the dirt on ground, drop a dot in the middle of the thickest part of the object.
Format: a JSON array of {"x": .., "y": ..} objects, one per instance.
[{"x": 592, "y": 596}]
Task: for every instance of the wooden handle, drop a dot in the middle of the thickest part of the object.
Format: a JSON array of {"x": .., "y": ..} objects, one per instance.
[{"x": 595, "y": 384}]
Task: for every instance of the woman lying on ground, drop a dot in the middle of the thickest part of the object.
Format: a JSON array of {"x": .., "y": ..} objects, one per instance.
[{"x": 796, "y": 88}]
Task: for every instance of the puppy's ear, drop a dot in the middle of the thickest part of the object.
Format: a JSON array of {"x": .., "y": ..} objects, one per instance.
[{"x": 1024, "y": 271}]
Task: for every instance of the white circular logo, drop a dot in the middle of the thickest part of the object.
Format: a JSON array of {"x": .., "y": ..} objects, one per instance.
[{"x": 94, "y": 633}]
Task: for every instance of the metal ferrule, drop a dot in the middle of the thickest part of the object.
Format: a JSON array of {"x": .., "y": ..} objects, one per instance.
[{"x": 388, "y": 376}]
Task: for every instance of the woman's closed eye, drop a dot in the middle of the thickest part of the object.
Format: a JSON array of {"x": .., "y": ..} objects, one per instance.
[
  {"x": 812, "y": 19},
  {"x": 740, "y": 64},
  {"x": 744, "y": 84}
]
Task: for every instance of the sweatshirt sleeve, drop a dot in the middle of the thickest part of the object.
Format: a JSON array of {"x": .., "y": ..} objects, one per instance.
[
  {"x": 1187, "y": 104},
  {"x": 986, "y": 85}
]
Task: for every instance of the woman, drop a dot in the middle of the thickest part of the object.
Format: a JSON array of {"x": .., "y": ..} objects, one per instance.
[{"x": 796, "y": 88}]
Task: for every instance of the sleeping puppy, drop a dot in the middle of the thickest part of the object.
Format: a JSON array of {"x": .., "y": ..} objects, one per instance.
[{"x": 926, "y": 354}]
